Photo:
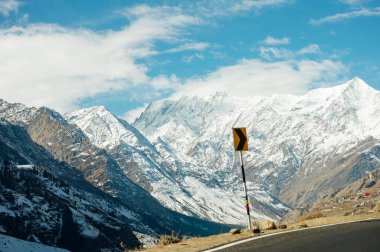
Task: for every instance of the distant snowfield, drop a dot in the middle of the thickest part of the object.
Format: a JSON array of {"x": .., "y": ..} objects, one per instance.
[{"x": 11, "y": 244}]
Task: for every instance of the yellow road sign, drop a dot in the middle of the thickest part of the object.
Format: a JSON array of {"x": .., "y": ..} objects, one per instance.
[{"x": 240, "y": 139}]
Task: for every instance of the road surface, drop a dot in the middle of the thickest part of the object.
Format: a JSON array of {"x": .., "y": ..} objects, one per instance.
[{"x": 358, "y": 236}]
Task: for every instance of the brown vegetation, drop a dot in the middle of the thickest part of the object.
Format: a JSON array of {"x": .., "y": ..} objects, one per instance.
[
  {"x": 169, "y": 239},
  {"x": 310, "y": 216}
]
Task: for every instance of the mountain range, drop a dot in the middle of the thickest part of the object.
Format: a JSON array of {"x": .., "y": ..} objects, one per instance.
[
  {"x": 174, "y": 167},
  {"x": 301, "y": 147},
  {"x": 87, "y": 202}
]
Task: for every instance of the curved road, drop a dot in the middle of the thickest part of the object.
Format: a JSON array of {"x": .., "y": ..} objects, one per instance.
[{"x": 359, "y": 236}]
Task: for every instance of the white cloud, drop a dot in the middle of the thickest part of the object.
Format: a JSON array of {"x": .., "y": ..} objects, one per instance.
[
  {"x": 311, "y": 49},
  {"x": 163, "y": 82},
  {"x": 189, "y": 59},
  {"x": 255, "y": 77},
  {"x": 48, "y": 65},
  {"x": 276, "y": 41},
  {"x": 245, "y": 5},
  {"x": 364, "y": 12},
  {"x": 269, "y": 53},
  {"x": 277, "y": 53},
  {"x": 353, "y": 2},
  {"x": 52, "y": 66},
  {"x": 8, "y": 6},
  {"x": 164, "y": 18},
  {"x": 221, "y": 8},
  {"x": 193, "y": 46}
]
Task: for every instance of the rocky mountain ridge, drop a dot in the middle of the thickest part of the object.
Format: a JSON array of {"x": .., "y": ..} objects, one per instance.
[
  {"x": 300, "y": 148},
  {"x": 361, "y": 197},
  {"x": 50, "y": 202},
  {"x": 181, "y": 153},
  {"x": 171, "y": 182},
  {"x": 42, "y": 137}
]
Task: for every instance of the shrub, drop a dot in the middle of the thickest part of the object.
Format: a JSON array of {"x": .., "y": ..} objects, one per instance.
[{"x": 169, "y": 239}]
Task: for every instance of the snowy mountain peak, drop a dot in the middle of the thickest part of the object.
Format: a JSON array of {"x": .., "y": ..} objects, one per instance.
[
  {"x": 291, "y": 135},
  {"x": 359, "y": 81},
  {"x": 190, "y": 145},
  {"x": 359, "y": 85},
  {"x": 99, "y": 110},
  {"x": 16, "y": 112},
  {"x": 103, "y": 128},
  {"x": 351, "y": 94},
  {"x": 219, "y": 95},
  {"x": 357, "y": 94}
]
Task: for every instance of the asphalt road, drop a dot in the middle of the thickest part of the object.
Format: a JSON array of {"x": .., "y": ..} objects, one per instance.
[{"x": 359, "y": 236}]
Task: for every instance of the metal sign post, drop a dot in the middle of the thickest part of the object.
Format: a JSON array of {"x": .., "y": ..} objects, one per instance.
[
  {"x": 241, "y": 144},
  {"x": 245, "y": 190}
]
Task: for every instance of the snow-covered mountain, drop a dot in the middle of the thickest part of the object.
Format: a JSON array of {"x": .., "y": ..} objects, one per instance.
[
  {"x": 77, "y": 196},
  {"x": 51, "y": 203},
  {"x": 167, "y": 177},
  {"x": 300, "y": 146},
  {"x": 181, "y": 151},
  {"x": 16, "y": 113}
]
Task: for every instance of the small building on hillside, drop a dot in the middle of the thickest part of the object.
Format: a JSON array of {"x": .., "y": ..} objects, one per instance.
[{"x": 25, "y": 167}]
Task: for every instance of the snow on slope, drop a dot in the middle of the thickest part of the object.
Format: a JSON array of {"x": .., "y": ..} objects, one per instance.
[
  {"x": 11, "y": 244},
  {"x": 166, "y": 179},
  {"x": 16, "y": 112},
  {"x": 171, "y": 182},
  {"x": 186, "y": 158},
  {"x": 285, "y": 131},
  {"x": 104, "y": 129},
  {"x": 330, "y": 116}
]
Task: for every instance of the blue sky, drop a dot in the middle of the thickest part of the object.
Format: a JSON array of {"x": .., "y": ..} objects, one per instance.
[{"x": 126, "y": 54}]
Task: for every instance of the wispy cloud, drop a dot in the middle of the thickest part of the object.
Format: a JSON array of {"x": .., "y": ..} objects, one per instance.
[
  {"x": 158, "y": 23},
  {"x": 193, "y": 46},
  {"x": 269, "y": 53},
  {"x": 189, "y": 59},
  {"x": 221, "y": 8},
  {"x": 354, "y": 3},
  {"x": 256, "y": 77},
  {"x": 245, "y": 5},
  {"x": 163, "y": 82},
  {"x": 364, "y": 12},
  {"x": 311, "y": 49},
  {"x": 278, "y": 53},
  {"x": 8, "y": 6},
  {"x": 276, "y": 41}
]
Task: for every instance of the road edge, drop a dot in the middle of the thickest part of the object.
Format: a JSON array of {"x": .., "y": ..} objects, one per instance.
[{"x": 217, "y": 248}]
